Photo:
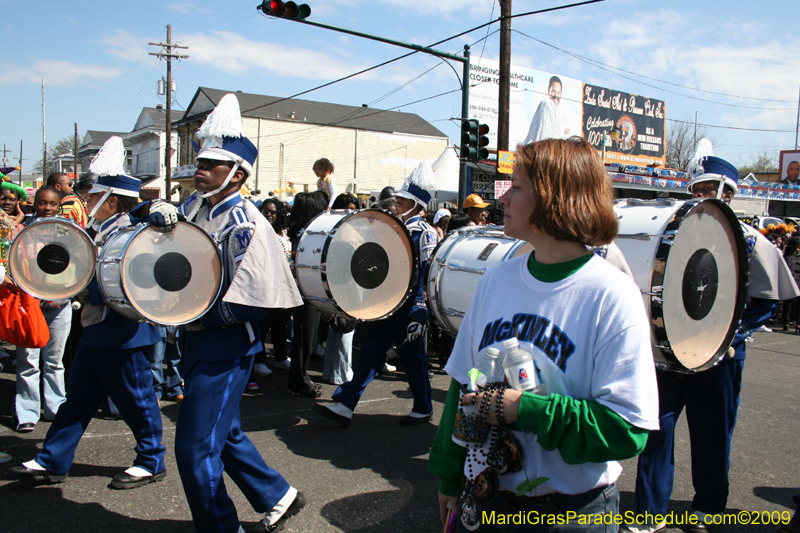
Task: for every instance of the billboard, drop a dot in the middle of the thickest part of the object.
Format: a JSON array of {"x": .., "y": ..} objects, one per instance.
[
  {"x": 641, "y": 122},
  {"x": 529, "y": 89}
]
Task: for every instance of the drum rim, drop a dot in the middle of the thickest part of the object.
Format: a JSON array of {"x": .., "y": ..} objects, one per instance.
[
  {"x": 323, "y": 260},
  {"x": 136, "y": 229},
  {"x": 51, "y": 220},
  {"x": 657, "y": 280},
  {"x": 435, "y": 305}
]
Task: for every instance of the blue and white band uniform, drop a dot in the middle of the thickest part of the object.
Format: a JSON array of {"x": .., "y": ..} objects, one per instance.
[{"x": 219, "y": 356}]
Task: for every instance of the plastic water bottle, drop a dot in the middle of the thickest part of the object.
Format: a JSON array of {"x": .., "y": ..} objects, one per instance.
[
  {"x": 519, "y": 368},
  {"x": 490, "y": 370}
]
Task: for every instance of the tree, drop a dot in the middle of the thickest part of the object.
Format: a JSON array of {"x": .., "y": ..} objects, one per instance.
[
  {"x": 682, "y": 142},
  {"x": 765, "y": 162},
  {"x": 64, "y": 145}
]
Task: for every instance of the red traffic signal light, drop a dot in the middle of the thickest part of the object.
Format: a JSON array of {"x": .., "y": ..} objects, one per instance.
[
  {"x": 483, "y": 141},
  {"x": 273, "y": 8},
  {"x": 288, "y": 10}
]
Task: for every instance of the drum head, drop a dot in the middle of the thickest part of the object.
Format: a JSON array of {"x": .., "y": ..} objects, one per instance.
[
  {"x": 369, "y": 264},
  {"x": 703, "y": 285},
  {"x": 52, "y": 259},
  {"x": 171, "y": 277}
]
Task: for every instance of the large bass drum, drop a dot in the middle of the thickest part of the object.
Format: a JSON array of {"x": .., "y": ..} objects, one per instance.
[
  {"x": 690, "y": 262},
  {"x": 168, "y": 278},
  {"x": 52, "y": 259},
  {"x": 457, "y": 265},
  {"x": 360, "y": 264}
]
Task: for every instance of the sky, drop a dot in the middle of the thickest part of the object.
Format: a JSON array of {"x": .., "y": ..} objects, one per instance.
[{"x": 734, "y": 64}]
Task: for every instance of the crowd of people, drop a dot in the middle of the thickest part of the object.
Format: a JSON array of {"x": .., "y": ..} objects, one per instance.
[{"x": 581, "y": 318}]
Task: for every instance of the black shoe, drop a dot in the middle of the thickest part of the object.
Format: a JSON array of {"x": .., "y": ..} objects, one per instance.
[
  {"x": 308, "y": 393},
  {"x": 23, "y": 472},
  {"x": 298, "y": 503},
  {"x": 333, "y": 415},
  {"x": 409, "y": 420},
  {"x": 126, "y": 481},
  {"x": 25, "y": 427},
  {"x": 701, "y": 526}
]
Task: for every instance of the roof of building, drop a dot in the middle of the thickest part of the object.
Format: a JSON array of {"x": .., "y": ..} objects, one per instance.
[
  {"x": 96, "y": 139},
  {"x": 321, "y": 113},
  {"x": 157, "y": 118}
]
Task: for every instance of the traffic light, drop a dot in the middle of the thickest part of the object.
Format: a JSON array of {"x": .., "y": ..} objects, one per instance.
[
  {"x": 288, "y": 10},
  {"x": 469, "y": 139},
  {"x": 483, "y": 141}
]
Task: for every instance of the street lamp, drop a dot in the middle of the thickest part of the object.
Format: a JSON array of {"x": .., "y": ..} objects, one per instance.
[{"x": 608, "y": 136}]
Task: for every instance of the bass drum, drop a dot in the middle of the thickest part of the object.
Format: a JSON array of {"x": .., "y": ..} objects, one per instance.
[
  {"x": 168, "y": 278},
  {"x": 456, "y": 267},
  {"x": 690, "y": 261},
  {"x": 360, "y": 264},
  {"x": 52, "y": 259}
]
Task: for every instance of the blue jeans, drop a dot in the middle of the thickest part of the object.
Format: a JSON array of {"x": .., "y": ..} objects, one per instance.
[
  {"x": 28, "y": 402},
  {"x": 168, "y": 384},
  {"x": 535, "y": 512}
]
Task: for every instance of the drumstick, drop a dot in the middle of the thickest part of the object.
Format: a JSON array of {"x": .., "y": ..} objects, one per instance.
[{"x": 391, "y": 353}]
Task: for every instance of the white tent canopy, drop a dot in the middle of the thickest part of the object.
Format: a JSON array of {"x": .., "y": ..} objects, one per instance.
[{"x": 446, "y": 169}]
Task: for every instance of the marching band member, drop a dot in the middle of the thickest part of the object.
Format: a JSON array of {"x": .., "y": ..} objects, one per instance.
[
  {"x": 220, "y": 346},
  {"x": 404, "y": 327},
  {"x": 111, "y": 358},
  {"x": 585, "y": 325},
  {"x": 711, "y": 397}
]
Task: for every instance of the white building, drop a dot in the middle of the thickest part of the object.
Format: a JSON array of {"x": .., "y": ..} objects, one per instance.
[{"x": 370, "y": 148}]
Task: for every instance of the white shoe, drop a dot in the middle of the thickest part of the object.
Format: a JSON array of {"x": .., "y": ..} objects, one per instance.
[
  {"x": 764, "y": 329},
  {"x": 388, "y": 368},
  {"x": 260, "y": 369},
  {"x": 644, "y": 528},
  {"x": 284, "y": 364}
]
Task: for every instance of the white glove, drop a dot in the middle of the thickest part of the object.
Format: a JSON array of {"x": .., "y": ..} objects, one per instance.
[
  {"x": 413, "y": 331},
  {"x": 163, "y": 215}
]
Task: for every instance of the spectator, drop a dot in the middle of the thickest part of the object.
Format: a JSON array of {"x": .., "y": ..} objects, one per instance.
[
  {"x": 475, "y": 207},
  {"x": 58, "y": 315},
  {"x": 440, "y": 221},
  {"x": 323, "y": 169},
  {"x": 306, "y": 318},
  {"x": 459, "y": 220}
]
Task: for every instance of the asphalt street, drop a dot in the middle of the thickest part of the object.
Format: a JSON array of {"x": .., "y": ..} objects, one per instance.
[{"x": 372, "y": 476}]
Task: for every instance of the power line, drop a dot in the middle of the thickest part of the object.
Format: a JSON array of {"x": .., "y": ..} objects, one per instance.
[
  {"x": 536, "y": 12},
  {"x": 729, "y": 127},
  {"x": 608, "y": 68}
]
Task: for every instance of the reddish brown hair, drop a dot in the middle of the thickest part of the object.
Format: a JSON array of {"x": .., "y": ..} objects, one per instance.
[{"x": 574, "y": 196}]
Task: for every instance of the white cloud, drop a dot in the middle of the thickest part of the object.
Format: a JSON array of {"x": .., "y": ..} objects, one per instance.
[
  {"x": 233, "y": 54},
  {"x": 59, "y": 73},
  {"x": 691, "y": 57},
  {"x": 129, "y": 47}
]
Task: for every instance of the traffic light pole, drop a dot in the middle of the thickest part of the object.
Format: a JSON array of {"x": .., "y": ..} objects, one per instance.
[{"x": 465, "y": 60}]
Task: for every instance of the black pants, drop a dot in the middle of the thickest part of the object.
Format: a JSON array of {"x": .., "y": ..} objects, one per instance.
[{"x": 306, "y": 324}]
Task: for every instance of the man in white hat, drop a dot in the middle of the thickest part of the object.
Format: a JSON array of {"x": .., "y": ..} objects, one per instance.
[
  {"x": 403, "y": 328},
  {"x": 221, "y": 345},
  {"x": 111, "y": 358},
  {"x": 710, "y": 397}
]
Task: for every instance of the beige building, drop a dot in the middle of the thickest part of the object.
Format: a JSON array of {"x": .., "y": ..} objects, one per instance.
[{"x": 370, "y": 148}]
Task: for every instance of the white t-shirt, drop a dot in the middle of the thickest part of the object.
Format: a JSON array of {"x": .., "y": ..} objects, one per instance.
[{"x": 590, "y": 339}]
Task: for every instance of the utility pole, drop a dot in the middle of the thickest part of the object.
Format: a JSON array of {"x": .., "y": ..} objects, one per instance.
[
  {"x": 5, "y": 153},
  {"x": 505, "y": 74},
  {"x": 169, "y": 56},
  {"x": 20, "y": 164},
  {"x": 75, "y": 153},
  {"x": 44, "y": 141}
]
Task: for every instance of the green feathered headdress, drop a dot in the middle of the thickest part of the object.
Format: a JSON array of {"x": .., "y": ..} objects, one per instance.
[{"x": 16, "y": 189}]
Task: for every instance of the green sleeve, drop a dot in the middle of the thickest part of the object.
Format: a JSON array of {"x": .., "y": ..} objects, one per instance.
[
  {"x": 584, "y": 431},
  {"x": 446, "y": 458}
]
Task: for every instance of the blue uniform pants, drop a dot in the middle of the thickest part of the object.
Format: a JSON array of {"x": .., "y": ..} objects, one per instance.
[
  {"x": 125, "y": 377},
  {"x": 379, "y": 337},
  {"x": 711, "y": 399},
  {"x": 209, "y": 440}
]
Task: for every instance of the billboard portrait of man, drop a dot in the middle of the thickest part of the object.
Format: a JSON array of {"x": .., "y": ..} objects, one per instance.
[{"x": 790, "y": 167}]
